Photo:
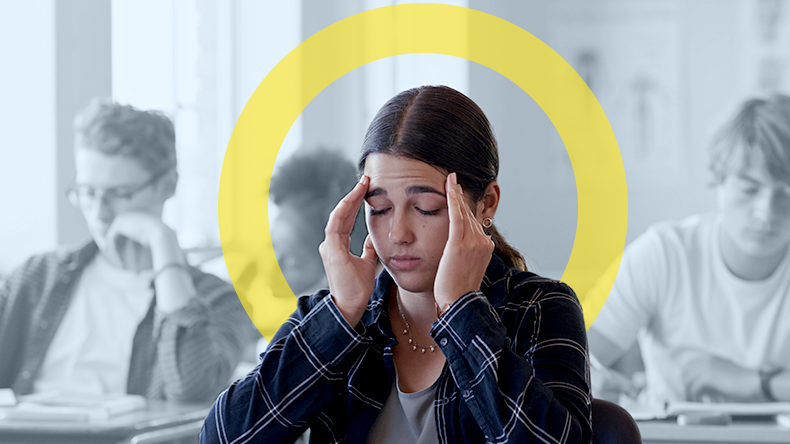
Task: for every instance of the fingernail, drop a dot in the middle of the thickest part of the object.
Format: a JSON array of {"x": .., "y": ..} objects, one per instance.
[
  {"x": 452, "y": 193},
  {"x": 454, "y": 178}
]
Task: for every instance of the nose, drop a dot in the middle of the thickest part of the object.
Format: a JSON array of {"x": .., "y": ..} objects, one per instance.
[
  {"x": 400, "y": 229},
  {"x": 769, "y": 206},
  {"x": 101, "y": 209}
]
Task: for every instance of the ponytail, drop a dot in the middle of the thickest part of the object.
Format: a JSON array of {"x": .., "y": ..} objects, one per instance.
[{"x": 510, "y": 256}]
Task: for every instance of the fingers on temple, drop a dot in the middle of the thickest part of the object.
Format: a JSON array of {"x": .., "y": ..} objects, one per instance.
[
  {"x": 474, "y": 225},
  {"x": 466, "y": 211},
  {"x": 341, "y": 219},
  {"x": 455, "y": 211}
]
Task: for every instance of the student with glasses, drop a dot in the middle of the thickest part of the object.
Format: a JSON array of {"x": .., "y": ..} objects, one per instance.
[{"x": 123, "y": 313}]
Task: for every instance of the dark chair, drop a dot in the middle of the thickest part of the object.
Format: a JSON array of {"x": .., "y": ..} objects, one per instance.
[{"x": 612, "y": 424}]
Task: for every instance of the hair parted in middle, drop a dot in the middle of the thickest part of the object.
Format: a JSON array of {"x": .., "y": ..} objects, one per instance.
[{"x": 446, "y": 129}]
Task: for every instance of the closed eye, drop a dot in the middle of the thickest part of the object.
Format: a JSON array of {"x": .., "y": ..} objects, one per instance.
[
  {"x": 428, "y": 213},
  {"x": 378, "y": 212}
]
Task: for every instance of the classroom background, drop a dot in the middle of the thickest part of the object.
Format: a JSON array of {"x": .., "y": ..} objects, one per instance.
[{"x": 666, "y": 72}]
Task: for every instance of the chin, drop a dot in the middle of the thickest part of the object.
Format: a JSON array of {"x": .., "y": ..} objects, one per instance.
[
  {"x": 760, "y": 250},
  {"x": 411, "y": 281}
]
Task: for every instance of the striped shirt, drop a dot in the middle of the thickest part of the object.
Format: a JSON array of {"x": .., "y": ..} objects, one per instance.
[
  {"x": 185, "y": 356},
  {"x": 517, "y": 370}
]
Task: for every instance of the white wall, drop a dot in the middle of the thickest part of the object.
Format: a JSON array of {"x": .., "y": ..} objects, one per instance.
[
  {"x": 27, "y": 122},
  {"x": 708, "y": 69}
]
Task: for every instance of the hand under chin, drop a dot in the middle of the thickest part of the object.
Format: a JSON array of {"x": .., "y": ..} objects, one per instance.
[{"x": 128, "y": 254}]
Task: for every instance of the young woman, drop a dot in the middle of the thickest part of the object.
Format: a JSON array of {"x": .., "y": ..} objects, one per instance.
[{"x": 454, "y": 342}]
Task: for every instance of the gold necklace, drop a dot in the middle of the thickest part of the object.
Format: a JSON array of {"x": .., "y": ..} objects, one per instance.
[{"x": 413, "y": 343}]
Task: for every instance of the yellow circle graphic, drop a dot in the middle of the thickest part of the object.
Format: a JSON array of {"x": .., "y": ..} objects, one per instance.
[{"x": 406, "y": 29}]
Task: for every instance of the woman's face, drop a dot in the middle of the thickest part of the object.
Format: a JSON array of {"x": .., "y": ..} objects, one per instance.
[{"x": 406, "y": 213}]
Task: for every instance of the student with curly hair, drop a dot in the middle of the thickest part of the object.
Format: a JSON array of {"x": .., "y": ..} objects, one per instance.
[{"x": 124, "y": 312}]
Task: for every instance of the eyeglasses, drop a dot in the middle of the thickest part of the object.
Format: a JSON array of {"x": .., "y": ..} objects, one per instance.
[{"x": 81, "y": 195}]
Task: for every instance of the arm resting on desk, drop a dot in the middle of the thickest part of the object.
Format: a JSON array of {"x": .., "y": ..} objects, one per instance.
[
  {"x": 780, "y": 386},
  {"x": 607, "y": 383},
  {"x": 200, "y": 344}
]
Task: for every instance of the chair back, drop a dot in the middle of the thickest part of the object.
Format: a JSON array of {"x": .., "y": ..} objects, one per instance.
[{"x": 612, "y": 424}]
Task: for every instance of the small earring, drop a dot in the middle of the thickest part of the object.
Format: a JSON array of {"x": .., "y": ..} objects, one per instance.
[{"x": 487, "y": 222}]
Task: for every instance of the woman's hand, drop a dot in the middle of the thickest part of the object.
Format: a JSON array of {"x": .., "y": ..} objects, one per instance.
[
  {"x": 467, "y": 252},
  {"x": 351, "y": 278}
]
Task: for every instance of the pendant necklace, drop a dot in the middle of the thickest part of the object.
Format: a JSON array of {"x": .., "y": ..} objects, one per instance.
[{"x": 407, "y": 331}]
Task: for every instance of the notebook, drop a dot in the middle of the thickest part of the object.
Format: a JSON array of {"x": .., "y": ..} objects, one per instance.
[
  {"x": 75, "y": 408},
  {"x": 730, "y": 408}
]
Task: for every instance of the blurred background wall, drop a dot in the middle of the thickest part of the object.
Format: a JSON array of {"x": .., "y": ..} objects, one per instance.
[{"x": 665, "y": 71}]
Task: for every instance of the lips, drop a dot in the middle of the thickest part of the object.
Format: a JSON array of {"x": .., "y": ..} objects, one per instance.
[
  {"x": 404, "y": 262},
  {"x": 760, "y": 235}
]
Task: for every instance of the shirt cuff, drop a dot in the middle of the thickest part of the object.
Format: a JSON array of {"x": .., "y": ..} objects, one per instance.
[
  {"x": 328, "y": 335},
  {"x": 196, "y": 311},
  {"x": 470, "y": 322}
]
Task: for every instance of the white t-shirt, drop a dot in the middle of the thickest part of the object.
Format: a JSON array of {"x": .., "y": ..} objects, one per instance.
[
  {"x": 92, "y": 348},
  {"x": 675, "y": 292}
]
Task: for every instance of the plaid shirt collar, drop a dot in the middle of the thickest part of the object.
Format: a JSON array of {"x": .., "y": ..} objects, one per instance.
[{"x": 76, "y": 258}]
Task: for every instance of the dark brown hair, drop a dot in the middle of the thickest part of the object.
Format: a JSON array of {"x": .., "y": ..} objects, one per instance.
[{"x": 443, "y": 128}]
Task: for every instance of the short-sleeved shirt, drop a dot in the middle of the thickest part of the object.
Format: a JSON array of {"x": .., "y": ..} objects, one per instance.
[{"x": 676, "y": 295}]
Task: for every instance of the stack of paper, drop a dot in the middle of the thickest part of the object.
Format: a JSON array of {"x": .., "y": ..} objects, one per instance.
[
  {"x": 729, "y": 408},
  {"x": 710, "y": 413},
  {"x": 83, "y": 408},
  {"x": 7, "y": 398}
]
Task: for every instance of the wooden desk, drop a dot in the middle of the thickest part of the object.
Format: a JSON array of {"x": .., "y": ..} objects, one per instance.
[
  {"x": 655, "y": 432},
  {"x": 158, "y": 416}
]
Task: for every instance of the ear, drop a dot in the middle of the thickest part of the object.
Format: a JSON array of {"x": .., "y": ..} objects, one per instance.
[{"x": 486, "y": 207}]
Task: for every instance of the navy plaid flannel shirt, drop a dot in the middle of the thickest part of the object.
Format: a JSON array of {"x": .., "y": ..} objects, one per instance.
[{"x": 517, "y": 370}]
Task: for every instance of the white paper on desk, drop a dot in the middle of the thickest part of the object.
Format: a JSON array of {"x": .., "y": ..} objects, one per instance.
[
  {"x": 731, "y": 408},
  {"x": 7, "y": 397},
  {"x": 80, "y": 408},
  {"x": 643, "y": 412}
]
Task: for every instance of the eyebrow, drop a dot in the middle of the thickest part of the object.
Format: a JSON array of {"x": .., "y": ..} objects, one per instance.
[
  {"x": 376, "y": 192},
  {"x": 410, "y": 191},
  {"x": 423, "y": 189},
  {"x": 755, "y": 181}
]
